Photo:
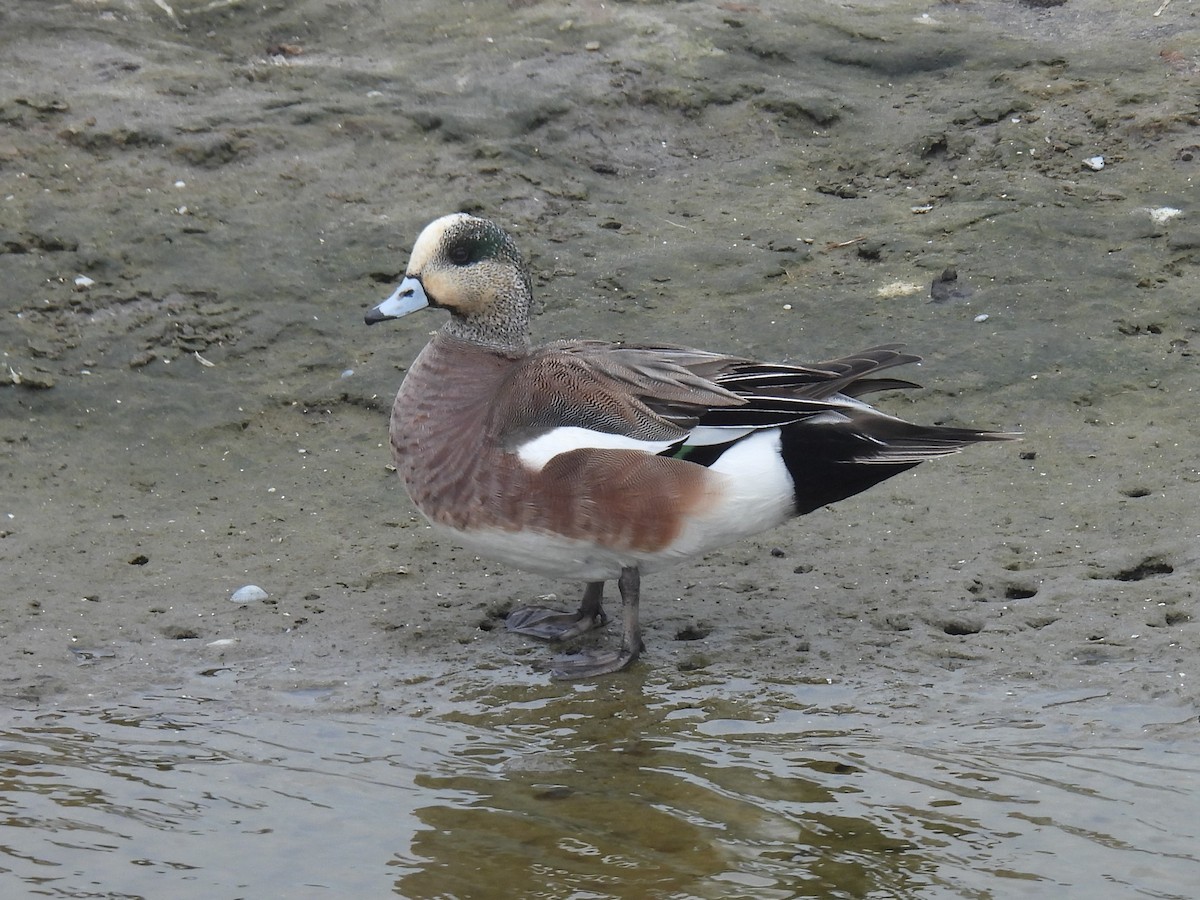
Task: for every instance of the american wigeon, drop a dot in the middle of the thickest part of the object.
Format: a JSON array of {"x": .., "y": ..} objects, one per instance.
[{"x": 595, "y": 461}]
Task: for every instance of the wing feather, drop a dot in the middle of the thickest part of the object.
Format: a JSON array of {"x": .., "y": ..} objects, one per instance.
[{"x": 659, "y": 398}]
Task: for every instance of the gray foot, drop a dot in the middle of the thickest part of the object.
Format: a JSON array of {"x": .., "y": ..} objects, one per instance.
[
  {"x": 551, "y": 624},
  {"x": 556, "y": 625},
  {"x": 588, "y": 663}
]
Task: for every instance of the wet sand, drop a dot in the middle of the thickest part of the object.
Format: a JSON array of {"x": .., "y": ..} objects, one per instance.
[{"x": 197, "y": 208}]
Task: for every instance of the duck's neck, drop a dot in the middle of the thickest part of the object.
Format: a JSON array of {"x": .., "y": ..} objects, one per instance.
[
  {"x": 498, "y": 320},
  {"x": 490, "y": 333}
]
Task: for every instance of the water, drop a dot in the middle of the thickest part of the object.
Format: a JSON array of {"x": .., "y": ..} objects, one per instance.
[{"x": 625, "y": 789}]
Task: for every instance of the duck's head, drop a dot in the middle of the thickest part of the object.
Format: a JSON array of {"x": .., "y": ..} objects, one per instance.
[{"x": 472, "y": 268}]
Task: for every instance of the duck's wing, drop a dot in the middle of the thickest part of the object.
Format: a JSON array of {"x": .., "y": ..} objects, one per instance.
[
  {"x": 851, "y": 376},
  {"x": 818, "y": 406},
  {"x": 778, "y": 394},
  {"x": 590, "y": 394},
  {"x": 663, "y": 399}
]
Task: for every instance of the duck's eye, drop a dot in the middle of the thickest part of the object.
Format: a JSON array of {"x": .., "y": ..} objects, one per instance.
[{"x": 460, "y": 254}]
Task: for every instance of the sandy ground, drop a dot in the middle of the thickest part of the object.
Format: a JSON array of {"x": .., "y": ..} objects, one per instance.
[{"x": 199, "y": 200}]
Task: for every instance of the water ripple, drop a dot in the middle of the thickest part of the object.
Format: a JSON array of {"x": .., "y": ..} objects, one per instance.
[{"x": 621, "y": 790}]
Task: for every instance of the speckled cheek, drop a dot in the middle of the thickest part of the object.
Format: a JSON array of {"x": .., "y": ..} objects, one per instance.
[{"x": 441, "y": 288}]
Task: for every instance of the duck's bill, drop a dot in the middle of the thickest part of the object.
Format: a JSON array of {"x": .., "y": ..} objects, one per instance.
[{"x": 407, "y": 298}]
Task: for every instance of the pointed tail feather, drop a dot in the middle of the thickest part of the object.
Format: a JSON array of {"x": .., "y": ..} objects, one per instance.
[{"x": 832, "y": 462}]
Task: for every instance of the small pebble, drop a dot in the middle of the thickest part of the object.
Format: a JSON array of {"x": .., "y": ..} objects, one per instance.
[
  {"x": 1158, "y": 214},
  {"x": 248, "y": 594},
  {"x": 982, "y": 317},
  {"x": 1095, "y": 163}
]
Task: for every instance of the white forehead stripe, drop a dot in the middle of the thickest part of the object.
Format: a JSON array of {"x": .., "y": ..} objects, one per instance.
[{"x": 430, "y": 239}]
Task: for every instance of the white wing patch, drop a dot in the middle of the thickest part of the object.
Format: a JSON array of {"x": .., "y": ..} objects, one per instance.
[
  {"x": 705, "y": 435},
  {"x": 543, "y": 448}
]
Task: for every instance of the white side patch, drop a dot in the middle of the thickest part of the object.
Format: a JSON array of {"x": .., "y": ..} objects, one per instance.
[
  {"x": 760, "y": 492},
  {"x": 756, "y": 494},
  {"x": 543, "y": 448}
]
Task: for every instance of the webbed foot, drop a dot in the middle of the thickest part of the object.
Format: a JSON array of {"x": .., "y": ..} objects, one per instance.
[
  {"x": 588, "y": 663},
  {"x": 552, "y": 624},
  {"x": 556, "y": 625}
]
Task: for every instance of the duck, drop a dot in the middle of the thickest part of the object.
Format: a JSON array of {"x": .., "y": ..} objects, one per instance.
[{"x": 598, "y": 461}]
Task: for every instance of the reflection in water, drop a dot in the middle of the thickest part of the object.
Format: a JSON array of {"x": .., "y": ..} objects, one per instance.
[
  {"x": 619, "y": 794},
  {"x": 612, "y": 792},
  {"x": 615, "y": 790}
]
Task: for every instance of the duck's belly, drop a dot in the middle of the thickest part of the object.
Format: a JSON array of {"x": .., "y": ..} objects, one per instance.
[{"x": 546, "y": 554}]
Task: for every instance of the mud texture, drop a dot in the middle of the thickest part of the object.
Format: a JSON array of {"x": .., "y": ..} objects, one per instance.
[{"x": 199, "y": 200}]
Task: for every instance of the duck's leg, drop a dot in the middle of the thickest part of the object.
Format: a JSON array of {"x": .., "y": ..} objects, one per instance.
[
  {"x": 555, "y": 625},
  {"x": 587, "y": 663}
]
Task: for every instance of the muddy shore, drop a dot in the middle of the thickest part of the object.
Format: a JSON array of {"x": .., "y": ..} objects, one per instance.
[{"x": 198, "y": 202}]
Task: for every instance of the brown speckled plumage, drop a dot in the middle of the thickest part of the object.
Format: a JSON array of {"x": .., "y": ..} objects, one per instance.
[{"x": 462, "y": 406}]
